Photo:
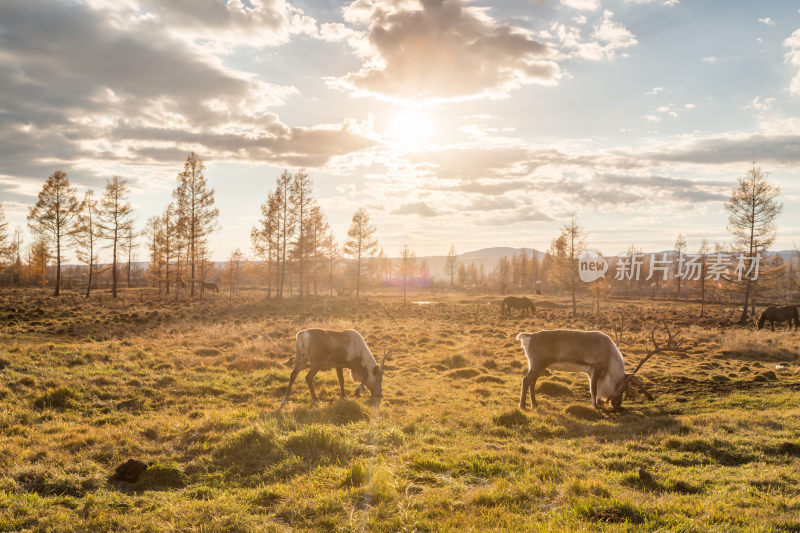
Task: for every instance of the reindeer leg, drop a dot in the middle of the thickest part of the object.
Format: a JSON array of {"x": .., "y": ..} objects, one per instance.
[
  {"x": 529, "y": 383},
  {"x": 292, "y": 376},
  {"x": 593, "y": 379},
  {"x": 340, "y": 375},
  {"x": 310, "y": 381}
]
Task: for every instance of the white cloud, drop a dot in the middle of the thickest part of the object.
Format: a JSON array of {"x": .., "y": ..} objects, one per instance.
[
  {"x": 710, "y": 59},
  {"x": 766, "y": 20},
  {"x": 438, "y": 50},
  {"x": 654, "y": 91},
  {"x": 793, "y": 57},
  {"x": 583, "y": 5}
]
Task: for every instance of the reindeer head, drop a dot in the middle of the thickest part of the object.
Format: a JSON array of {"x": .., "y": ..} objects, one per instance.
[
  {"x": 631, "y": 384},
  {"x": 761, "y": 320},
  {"x": 375, "y": 378}
]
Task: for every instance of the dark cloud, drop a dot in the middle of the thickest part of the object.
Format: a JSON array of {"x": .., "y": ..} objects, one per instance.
[{"x": 80, "y": 82}]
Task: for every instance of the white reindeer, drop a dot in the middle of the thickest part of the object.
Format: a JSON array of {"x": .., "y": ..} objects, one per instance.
[
  {"x": 323, "y": 349},
  {"x": 590, "y": 352}
]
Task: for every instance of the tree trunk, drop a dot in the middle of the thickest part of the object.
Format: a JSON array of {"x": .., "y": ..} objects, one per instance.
[{"x": 58, "y": 263}]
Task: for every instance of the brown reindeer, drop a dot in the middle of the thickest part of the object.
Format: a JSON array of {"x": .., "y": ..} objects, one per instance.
[
  {"x": 323, "y": 349},
  {"x": 524, "y": 304},
  {"x": 590, "y": 352},
  {"x": 774, "y": 313}
]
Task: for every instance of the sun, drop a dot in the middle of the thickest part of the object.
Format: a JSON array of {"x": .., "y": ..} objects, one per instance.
[{"x": 410, "y": 126}]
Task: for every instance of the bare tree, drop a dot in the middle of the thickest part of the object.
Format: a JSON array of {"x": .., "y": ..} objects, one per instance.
[
  {"x": 752, "y": 211},
  {"x": 680, "y": 247},
  {"x": 451, "y": 264},
  {"x": 574, "y": 237},
  {"x": 115, "y": 221},
  {"x": 235, "y": 263},
  {"x": 406, "y": 267},
  {"x": 195, "y": 209},
  {"x": 286, "y": 223},
  {"x": 154, "y": 230},
  {"x": 264, "y": 236},
  {"x": 4, "y": 245},
  {"x": 129, "y": 244},
  {"x": 170, "y": 241},
  {"x": 704, "y": 248},
  {"x": 52, "y": 217},
  {"x": 85, "y": 235},
  {"x": 360, "y": 243},
  {"x": 301, "y": 205}
]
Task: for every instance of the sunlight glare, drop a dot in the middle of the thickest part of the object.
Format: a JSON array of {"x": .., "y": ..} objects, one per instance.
[{"x": 410, "y": 126}]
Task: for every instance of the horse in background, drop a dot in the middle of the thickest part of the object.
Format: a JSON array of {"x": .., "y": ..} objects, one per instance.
[
  {"x": 774, "y": 313},
  {"x": 524, "y": 304}
]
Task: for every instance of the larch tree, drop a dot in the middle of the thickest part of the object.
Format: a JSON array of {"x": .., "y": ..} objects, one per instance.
[
  {"x": 302, "y": 202},
  {"x": 264, "y": 236},
  {"x": 4, "y": 244},
  {"x": 115, "y": 221},
  {"x": 360, "y": 243},
  {"x": 154, "y": 232},
  {"x": 169, "y": 241},
  {"x": 286, "y": 224},
  {"x": 451, "y": 265},
  {"x": 53, "y": 215},
  {"x": 703, "y": 251},
  {"x": 129, "y": 244},
  {"x": 194, "y": 202},
  {"x": 85, "y": 235},
  {"x": 752, "y": 210},
  {"x": 574, "y": 237},
  {"x": 406, "y": 267},
  {"x": 319, "y": 232},
  {"x": 680, "y": 247},
  {"x": 39, "y": 257}
]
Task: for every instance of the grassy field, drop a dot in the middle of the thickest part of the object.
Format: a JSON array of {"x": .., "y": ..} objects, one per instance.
[{"x": 194, "y": 389}]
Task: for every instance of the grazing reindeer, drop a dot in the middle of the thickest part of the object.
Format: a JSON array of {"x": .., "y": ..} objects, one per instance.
[
  {"x": 323, "y": 349},
  {"x": 774, "y": 313},
  {"x": 210, "y": 286},
  {"x": 590, "y": 352},
  {"x": 524, "y": 304}
]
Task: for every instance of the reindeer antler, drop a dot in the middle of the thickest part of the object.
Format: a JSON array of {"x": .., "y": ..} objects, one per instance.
[
  {"x": 387, "y": 356},
  {"x": 619, "y": 332},
  {"x": 670, "y": 346}
]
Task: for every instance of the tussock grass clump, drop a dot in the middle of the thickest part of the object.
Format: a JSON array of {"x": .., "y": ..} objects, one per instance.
[
  {"x": 511, "y": 419},
  {"x": 249, "y": 450},
  {"x": 610, "y": 510},
  {"x": 454, "y": 361},
  {"x": 342, "y": 411},
  {"x": 57, "y": 398},
  {"x": 551, "y": 388},
  {"x": 207, "y": 352},
  {"x": 583, "y": 412},
  {"x": 161, "y": 476},
  {"x": 321, "y": 443}
]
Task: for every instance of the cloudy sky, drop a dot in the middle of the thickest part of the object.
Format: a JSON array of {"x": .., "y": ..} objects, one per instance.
[{"x": 481, "y": 123}]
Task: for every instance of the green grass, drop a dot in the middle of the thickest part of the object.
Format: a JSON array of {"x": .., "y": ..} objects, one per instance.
[{"x": 194, "y": 389}]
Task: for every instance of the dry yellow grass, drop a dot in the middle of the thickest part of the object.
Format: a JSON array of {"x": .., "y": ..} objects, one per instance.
[{"x": 193, "y": 390}]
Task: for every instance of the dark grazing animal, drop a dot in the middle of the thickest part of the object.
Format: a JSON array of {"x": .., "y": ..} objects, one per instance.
[
  {"x": 774, "y": 313},
  {"x": 590, "y": 352},
  {"x": 210, "y": 286},
  {"x": 524, "y": 304},
  {"x": 323, "y": 349}
]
